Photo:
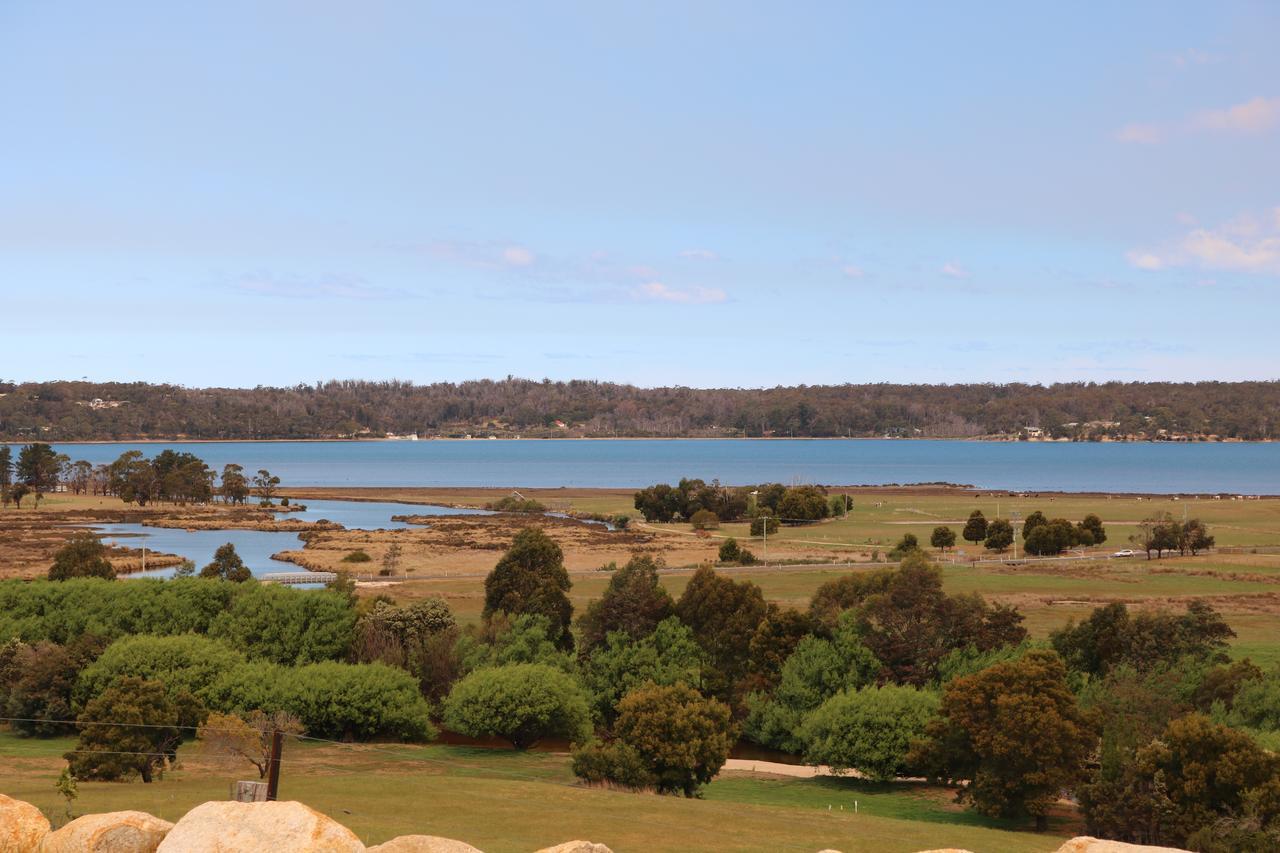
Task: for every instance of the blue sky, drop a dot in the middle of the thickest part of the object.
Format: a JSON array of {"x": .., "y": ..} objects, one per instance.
[{"x": 707, "y": 194}]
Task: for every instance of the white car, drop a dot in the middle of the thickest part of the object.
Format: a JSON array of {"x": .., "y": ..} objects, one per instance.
[{"x": 1125, "y": 552}]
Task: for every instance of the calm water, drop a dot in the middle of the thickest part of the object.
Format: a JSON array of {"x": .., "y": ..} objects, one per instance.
[
  {"x": 1236, "y": 468},
  {"x": 255, "y": 547}
]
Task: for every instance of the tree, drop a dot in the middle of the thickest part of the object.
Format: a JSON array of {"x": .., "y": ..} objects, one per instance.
[
  {"x": 975, "y": 529},
  {"x": 943, "y": 538},
  {"x": 1034, "y": 520},
  {"x": 668, "y": 655},
  {"x": 391, "y": 559},
  {"x": 906, "y": 545},
  {"x": 520, "y": 703},
  {"x": 132, "y": 729},
  {"x": 235, "y": 487},
  {"x": 835, "y": 597},
  {"x": 804, "y": 503},
  {"x": 870, "y": 730},
  {"x": 37, "y": 682},
  {"x": 84, "y": 556},
  {"x": 1014, "y": 732},
  {"x": 531, "y": 578},
  {"x": 680, "y": 738},
  {"x": 634, "y": 602},
  {"x": 38, "y": 468},
  {"x": 17, "y": 492},
  {"x": 6, "y": 473},
  {"x": 1194, "y": 537},
  {"x": 999, "y": 535},
  {"x": 1184, "y": 783},
  {"x": 764, "y": 525},
  {"x": 226, "y": 565},
  {"x": 729, "y": 551},
  {"x": 1157, "y": 533},
  {"x": 658, "y": 503},
  {"x": 1051, "y": 537},
  {"x": 723, "y": 615},
  {"x": 1097, "y": 532},
  {"x": 248, "y": 738},
  {"x": 704, "y": 519},
  {"x": 265, "y": 484},
  {"x": 817, "y": 670},
  {"x": 1112, "y": 636}
]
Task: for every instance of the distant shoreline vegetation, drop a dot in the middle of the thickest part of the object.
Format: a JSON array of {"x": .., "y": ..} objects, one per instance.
[{"x": 526, "y": 409}]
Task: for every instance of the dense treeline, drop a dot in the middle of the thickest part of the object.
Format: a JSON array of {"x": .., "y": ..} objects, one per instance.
[{"x": 64, "y": 411}]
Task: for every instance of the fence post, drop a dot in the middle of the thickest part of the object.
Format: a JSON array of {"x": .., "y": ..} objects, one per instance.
[{"x": 273, "y": 775}]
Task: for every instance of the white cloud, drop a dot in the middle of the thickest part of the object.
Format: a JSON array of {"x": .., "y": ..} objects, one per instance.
[
  {"x": 951, "y": 269},
  {"x": 852, "y": 271},
  {"x": 656, "y": 291},
  {"x": 1195, "y": 56},
  {"x": 518, "y": 256},
  {"x": 1252, "y": 116},
  {"x": 1245, "y": 244},
  {"x": 1141, "y": 134},
  {"x": 700, "y": 254}
]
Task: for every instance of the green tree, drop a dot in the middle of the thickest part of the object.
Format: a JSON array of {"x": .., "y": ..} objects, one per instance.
[
  {"x": 834, "y": 597},
  {"x": 1097, "y": 532},
  {"x": 729, "y": 551},
  {"x": 187, "y": 663},
  {"x": 1013, "y": 734},
  {"x": 1112, "y": 636},
  {"x": 764, "y": 525},
  {"x": 723, "y": 615},
  {"x": 943, "y": 538},
  {"x": 531, "y": 578},
  {"x": 1194, "y": 537},
  {"x": 84, "y": 556},
  {"x": 6, "y": 473},
  {"x": 132, "y": 729},
  {"x": 634, "y": 602},
  {"x": 37, "y": 681},
  {"x": 1034, "y": 520},
  {"x": 975, "y": 529},
  {"x": 704, "y": 519},
  {"x": 817, "y": 670},
  {"x": 667, "y": 656},
  {"x": 38, "y": 468},
  {"x": 804, "y": 503},
  {"x": 679, "y": 737},
  {"x": 226, "y": 565},
  {"x": 870, "y": 730},
  {"x": 507, "y": 639},
  {"x": 999, "y": 535},
  {"x": 520, "y": 703}
]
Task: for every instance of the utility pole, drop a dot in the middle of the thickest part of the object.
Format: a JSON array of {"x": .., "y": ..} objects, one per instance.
[{"x": 273, "y": 774}]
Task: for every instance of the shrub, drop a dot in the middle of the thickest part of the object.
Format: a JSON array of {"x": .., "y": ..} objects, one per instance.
[
  {"x": 158, "y": 723},
  {"x": 704, "y": 519},
  {"x": 357, "y": 556},
  {"x": 729, "y": 551},
  {"x": 681, "y": 737},
  {"x": 613, "y": 764},
  {"x": 764, "y": 524},
  {"x": 520, "y": 703},
  {"x": 189, "y": 663},
  {"x": 287, "y": 626},
  {"x": 511, "y": 503},
  {"x": 870, "y": 730},
  {"x": 84, "y": 556},
  {"x": 667, "y": 656}
]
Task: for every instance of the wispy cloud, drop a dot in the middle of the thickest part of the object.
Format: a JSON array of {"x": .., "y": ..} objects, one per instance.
[
  {"x": 700, "y": 254},
  {"x": 319, "y": 287},
  {"x": 486, "y": 255},
  {"x": 656, "y": 291},
  {"x": 1192, "y": 57},
  {"x": 852, "y": 271},
  {"x": 1252, "y": 116},
  {"x": 1256, "y": 115},
  {"x": 1248, "y": 243},
  {"x": 951, "y": 269}
]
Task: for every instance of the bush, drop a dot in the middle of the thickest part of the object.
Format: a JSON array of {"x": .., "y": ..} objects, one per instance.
[
  {"x": 682, "y": 738},
  {"x": 804, "y": 503},
  {"x": 511, "y": 503},
  {"x": 611, "y": 764},
  {"x": 84, "y": 556},
  {"x": 288, "y": 626},
  {"x": 729, "y": 551},
  {"x": 189, "y": 663},
  {"x": 765, "y": 524},
  {"x": 520, "y": 703},
  {"x": 704, "y": 519},
  {"x": 357, "y": 556},
  {"x": 531, "y": 578},
  {"x": 667, "y": 656},
  {"x": 870, "y": 730},
  {"x": 108, "y": 751}
]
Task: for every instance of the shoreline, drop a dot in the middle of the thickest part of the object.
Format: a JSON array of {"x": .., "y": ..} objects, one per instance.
[{"x": 966, "y": 439}]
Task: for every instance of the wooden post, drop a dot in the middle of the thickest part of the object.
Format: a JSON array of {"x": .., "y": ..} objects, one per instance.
[{"x": 273, "y": 774}]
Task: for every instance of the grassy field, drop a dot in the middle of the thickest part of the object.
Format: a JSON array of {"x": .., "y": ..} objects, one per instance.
[{"x": 506, "y": 801}]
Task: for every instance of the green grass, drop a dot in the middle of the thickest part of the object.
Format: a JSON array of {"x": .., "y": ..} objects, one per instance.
[{"x": 507, "y": 801}]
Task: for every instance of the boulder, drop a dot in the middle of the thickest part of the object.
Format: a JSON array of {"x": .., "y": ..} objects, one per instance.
[
  {"x": 1086, "y": 844},
  {"x": 113, "y": 832},
  {"x": 22, "y": 827},
  {"x": 423, "y": 844},
  {"x": 230, "y": 827},
  {"x": 577, "y": 847}
]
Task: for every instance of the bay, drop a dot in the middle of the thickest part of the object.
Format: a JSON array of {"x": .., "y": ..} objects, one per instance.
[{"x": 1237, "y": 468}]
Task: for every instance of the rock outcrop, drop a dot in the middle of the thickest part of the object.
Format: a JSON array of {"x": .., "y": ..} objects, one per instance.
[
  {"x": 230, "y": 827},
  {"x": 113, "y": 832},
  {"x": 1087, "y": 844},
  {"x": 423, "y": 844},
  {"x": 577, "y": 847},
  {"x": 22, "y": 827}
]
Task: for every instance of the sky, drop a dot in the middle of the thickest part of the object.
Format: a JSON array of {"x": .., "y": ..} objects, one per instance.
[{"x": 695, "y": 193}]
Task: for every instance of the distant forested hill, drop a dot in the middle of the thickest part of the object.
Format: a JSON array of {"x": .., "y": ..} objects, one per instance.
[{"x": 63, "y": 411}]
